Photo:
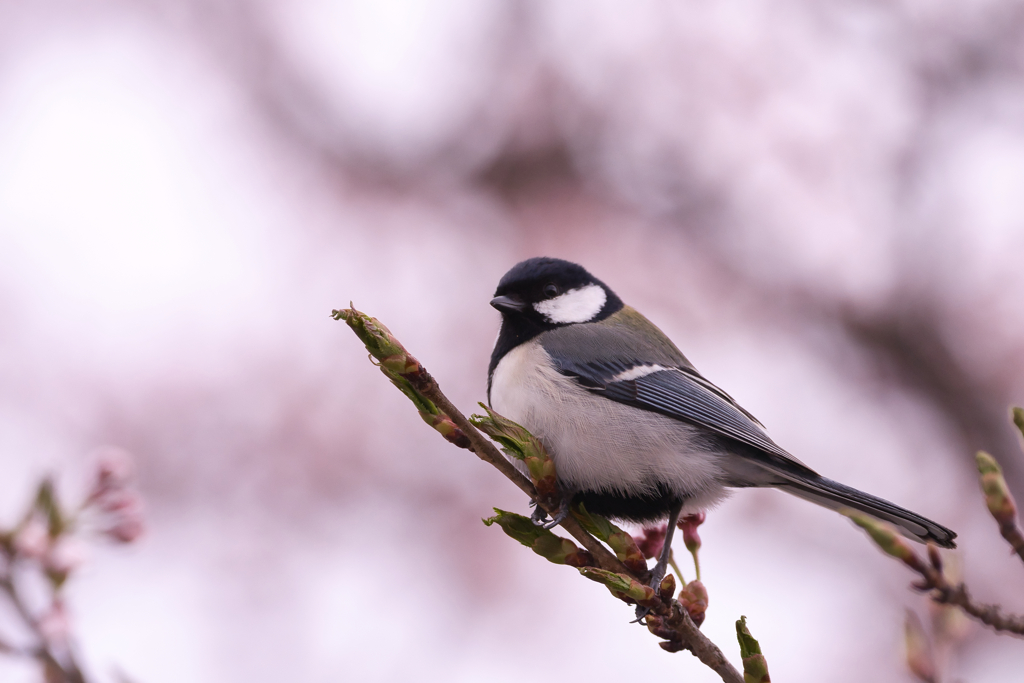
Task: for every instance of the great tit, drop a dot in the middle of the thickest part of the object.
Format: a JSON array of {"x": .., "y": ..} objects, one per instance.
[{"x": 636, "y": 433}]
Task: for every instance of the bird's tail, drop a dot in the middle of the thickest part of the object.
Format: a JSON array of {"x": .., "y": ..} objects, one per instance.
[{"x": 835, "y": 496}]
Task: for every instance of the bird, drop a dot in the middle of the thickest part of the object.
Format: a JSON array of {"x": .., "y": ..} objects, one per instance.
[{"x": 636, "y": 433}]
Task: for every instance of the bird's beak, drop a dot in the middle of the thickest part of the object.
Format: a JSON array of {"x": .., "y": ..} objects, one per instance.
[{"x": 508, "y": 303}]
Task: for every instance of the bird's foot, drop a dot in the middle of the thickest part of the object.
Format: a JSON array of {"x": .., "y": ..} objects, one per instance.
[
  {"x": 657, "y": 574},
  {"x": 540, "y": 515}
]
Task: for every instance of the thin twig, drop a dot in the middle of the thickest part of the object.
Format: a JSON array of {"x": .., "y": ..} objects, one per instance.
[
  {"x": 691, "y": 638},
  {"x": 933, "y": 580},
  {"x": 990, "y": 615}
]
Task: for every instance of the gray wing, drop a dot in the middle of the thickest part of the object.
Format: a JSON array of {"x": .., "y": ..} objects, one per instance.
[{"x": 650, "y": 380}]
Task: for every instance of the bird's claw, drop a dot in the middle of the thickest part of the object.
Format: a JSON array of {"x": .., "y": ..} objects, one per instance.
[
  {"x": 540, "y": 515},
  {"x": 656, "y": 577},
  {"x": 641, "y": 612}
]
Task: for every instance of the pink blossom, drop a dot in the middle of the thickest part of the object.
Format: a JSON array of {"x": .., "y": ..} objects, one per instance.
[
  {"x": 33, "y": 541},
  {"x": 652, "y": 541},
  {"x": 121, "y": 501},
  {"x": 126, "y": 519},
  {"x": 113, "y": 470},
  {"x": 126, "y": 528},
  {"x": 66, "y": 555},
  {"x": 55, "y": 626},
  {"x": 689, "y": 525}
]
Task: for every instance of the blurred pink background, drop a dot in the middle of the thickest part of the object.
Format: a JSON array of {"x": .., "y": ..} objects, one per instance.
[{"x": 821, "y": 203}]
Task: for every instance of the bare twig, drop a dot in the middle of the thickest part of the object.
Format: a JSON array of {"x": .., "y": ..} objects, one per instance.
[
  {"x": 933, "y": 581},
  {"x": 668, "y": 619},
  {"x": 991, "y": 615}
]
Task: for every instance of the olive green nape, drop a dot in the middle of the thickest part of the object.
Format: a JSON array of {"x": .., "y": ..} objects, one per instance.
[
  {"x": 624, "y": 334},
  {"x": 629, "y": 317}
]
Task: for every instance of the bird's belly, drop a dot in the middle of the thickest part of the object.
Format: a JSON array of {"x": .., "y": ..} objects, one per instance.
[{"x": 599, "y": 445}]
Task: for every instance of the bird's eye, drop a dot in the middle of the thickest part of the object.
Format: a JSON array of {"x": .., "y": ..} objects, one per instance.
[{"x": 550, "y": 290}]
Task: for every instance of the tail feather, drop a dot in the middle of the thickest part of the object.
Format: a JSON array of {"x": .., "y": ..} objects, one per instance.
[{"x": 835, "y": 496}]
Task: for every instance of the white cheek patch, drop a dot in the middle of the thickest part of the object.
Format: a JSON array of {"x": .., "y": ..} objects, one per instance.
[
  {"x": 575, "y": 306},
  {"x": 637, "y": 372}
]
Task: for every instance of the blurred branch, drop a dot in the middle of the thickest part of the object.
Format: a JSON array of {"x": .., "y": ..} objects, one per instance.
[
  {"x": 63, "y": 670},
  {"x": 920, "y": 657},
  {"x": 933, "y": 581},
  {"x": 46, "y": 541},
  {"x": 668, "y": 618}
]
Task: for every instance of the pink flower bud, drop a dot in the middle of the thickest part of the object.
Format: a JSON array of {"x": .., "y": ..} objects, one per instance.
[
  {"x": 126, "y": 530},
  {"x": 33, "y": 541},
  {"x": 652, "y": 541},
  {"x": 694, "y": 599},
  {"x": 114, "y": 469},
  {"x": 121, "y": 501},
  {"x": 126, "y": 519},
  {"x": 66, "y": 555},
  {"x": 55, "y": 626},
  {"x": 689, "y": 525}
]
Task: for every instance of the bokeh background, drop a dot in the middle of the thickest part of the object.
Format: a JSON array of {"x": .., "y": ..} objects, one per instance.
[{"x": 821, "y": 203}]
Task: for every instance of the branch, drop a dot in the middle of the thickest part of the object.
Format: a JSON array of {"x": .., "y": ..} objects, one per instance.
[
  {"x": 668, "y": 619},
  {"x": 409, "y": 375},
  {"x": 933, "y": 581}
]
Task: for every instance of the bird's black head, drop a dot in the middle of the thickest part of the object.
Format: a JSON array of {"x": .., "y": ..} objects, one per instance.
[{"x": 544, "y": 293}]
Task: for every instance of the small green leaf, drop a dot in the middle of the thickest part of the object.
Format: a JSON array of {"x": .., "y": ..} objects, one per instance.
[
  {"x": 422, "y": 403},
  {"x": 1018, "y": 419},
  {"x": 516, "y": 526},
  {"x": 542, "y": 541},
  {"x": 595, "y": 525},
  {"x": 884, "y": 536},
  {"x": 404, "y": 371},
  {"x": 622, "y": 586},
  {"x": 519, "y": 443},
  {"x": 997, "y": 494},
  {"x": 622, "y": 544},
  {"x": 513, "y": 438},
  {"x": 377, "y": 338},
  {"x": 755, "y": 666}
]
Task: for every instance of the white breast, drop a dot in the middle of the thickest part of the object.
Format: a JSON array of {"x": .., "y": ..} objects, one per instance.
[{"x": 598, "y": 444}]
